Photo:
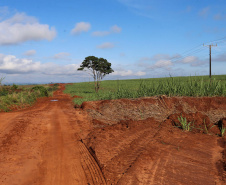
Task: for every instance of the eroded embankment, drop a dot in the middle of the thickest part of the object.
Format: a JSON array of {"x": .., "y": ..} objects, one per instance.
[{"x": 136, "y": 141}]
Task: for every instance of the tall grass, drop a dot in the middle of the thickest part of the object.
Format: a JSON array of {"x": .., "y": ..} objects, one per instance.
[
  {"x": 24, "y": 97},
  {"x": 173, "y": 86}
]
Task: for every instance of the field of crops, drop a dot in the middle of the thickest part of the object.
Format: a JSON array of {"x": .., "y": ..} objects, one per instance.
[{"x": 197, "y": 86}]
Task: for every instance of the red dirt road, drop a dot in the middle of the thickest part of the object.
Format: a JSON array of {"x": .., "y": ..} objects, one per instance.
[{"x": 42, "y": 145}]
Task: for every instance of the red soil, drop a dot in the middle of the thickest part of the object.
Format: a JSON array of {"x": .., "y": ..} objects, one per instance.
[
  {"x": 114, "y": 142},
  {"x": 136, "y": 142},
  {"x": 42, "y": 145}
]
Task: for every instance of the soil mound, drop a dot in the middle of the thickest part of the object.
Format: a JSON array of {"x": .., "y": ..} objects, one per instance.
[{"x": 138, "y": 141}]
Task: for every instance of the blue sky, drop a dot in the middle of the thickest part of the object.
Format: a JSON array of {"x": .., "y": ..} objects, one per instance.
[{"x": 43, "y": 41}]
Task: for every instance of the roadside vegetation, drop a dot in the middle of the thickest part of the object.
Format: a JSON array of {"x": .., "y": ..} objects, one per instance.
[
  {"x": 13, "y": 97},
  {"x": 198, "y": 86},
  {"x": 183, "y": 124}
]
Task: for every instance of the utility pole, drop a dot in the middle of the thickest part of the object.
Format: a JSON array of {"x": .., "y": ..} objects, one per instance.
[{"x": 210, "y": 46}]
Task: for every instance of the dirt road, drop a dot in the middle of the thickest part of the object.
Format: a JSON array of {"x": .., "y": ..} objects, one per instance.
[{"x": 42, "y": 145}]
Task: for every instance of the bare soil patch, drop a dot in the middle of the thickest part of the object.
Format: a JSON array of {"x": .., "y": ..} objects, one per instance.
[
  {"x": 137, "y": 141},
  {"x": 42, "y": 145}
]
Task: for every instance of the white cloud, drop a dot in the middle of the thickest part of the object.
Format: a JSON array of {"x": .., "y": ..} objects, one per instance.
[
  {"x": 189, "y": 59},
  {"x": 162, "y": 64},
  {"x": 128, "y": 73},
  {"x": 140, "y": 73},
  {"x": 21, "y": 28},
  {"x": 54, "y": 69},
  {"x": 30, "y": 53},
  {"x": 192, "y": 60},
  {"x": 123, "y": 73},
  {"x": 199, "y": 63},
  {"x": 81, "y": 27},
  {"x": 158, "y": 57},
  {"x": 106, "y": 45},
  {"x": 113, "y": 29},
  {"x": 12, "y": 65},
  {"x": 62, "y": 56},
  {"x": 166, "y": 61},
  {"x": 116, "y": 29},
  {"x": 163, "y": 61}
]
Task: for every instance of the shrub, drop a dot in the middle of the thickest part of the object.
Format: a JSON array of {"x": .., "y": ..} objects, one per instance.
[
  {"x": 14, "y": 87},
  {"x": 43, "y": 91},
  {"x": 4, "y": 92}
]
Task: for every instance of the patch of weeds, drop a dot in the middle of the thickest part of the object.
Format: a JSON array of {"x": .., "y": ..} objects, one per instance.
[
  {"x": 184, "y": 125},
  {"x": 206, "y": 128},
  {"x": 223, "y": 130},
  {"x": 141, "y": 115}
]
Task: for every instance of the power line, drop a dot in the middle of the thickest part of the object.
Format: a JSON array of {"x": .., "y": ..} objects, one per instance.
[
  {"x": 218, "y": 40},
  {"x": 197, "y": 49},
  {"x": 187, "y": 55}
]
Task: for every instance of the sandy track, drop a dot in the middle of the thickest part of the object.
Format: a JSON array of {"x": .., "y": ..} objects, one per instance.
[{"x": 42, "y": 145}]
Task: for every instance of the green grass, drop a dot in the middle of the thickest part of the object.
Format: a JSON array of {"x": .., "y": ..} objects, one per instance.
[
  {"x": 223, "y": 131},
  {"x": 173, "y": 86},
  {"x": 184, "y": 125},
  {"x": 20, "y": 97}
]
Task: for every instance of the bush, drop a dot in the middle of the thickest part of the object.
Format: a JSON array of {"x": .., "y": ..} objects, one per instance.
[
  {"x": 4, "y": 92},
  {"x": 14, "y": 87},
  {"x": 52, "y": 88},
  {"x": 43, "y": 91}
]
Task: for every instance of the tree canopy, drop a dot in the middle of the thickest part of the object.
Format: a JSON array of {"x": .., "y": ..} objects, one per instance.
[{"x": 98, "y": 68}]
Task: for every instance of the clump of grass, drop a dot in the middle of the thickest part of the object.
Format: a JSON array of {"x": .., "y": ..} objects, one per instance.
[
  {"x": 223, "y": 130},
  {"x": 207, "y": 127},
  {"x": 183, "y": 124}
]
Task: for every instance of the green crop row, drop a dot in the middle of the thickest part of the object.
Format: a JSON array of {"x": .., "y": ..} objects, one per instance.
[{"x": 172, "y": 86}]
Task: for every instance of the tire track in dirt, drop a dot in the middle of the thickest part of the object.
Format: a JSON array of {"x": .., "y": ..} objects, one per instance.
[
  {"x": 89, "y": 163},
  {"x": 17, "y": 123},
  {"x": 166, "y": 161},
  {"x": 146, "y": 151},
  {"x": 41, "y": 145}
]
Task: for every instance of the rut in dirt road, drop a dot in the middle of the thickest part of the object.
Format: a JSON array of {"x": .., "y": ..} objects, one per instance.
[{"x": 42, "y": 145}]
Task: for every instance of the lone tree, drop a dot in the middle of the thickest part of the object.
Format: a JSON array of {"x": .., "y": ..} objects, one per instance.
[{"x": 98, "y": 68}]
